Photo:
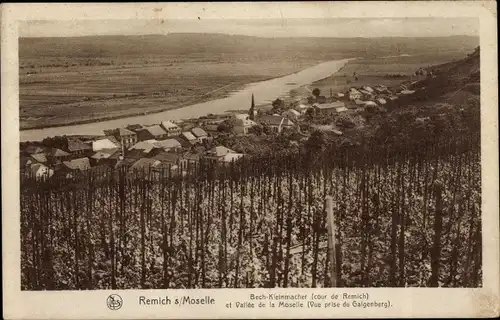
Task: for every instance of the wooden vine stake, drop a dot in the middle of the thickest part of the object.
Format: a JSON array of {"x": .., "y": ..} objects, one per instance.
[{"x": 332, "y": 241}]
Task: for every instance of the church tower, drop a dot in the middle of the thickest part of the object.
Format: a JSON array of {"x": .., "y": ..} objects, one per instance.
[{"x": 251, "y": 112}]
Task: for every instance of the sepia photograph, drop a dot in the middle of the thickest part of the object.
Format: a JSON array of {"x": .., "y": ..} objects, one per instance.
[
  {"x": 164, "y": 152},
  {"x": 198, "y": 155}
]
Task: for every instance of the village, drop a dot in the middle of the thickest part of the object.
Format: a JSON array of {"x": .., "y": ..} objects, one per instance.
[{"x": 176, "y": 144}]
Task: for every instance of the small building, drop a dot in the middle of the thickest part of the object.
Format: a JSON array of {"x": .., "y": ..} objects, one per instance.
[
  {"x": 40, "y": 171},
  {"x": 145, "y": 165},
  {"x": 104, "y": 143},
  {"x": 57, "y": 155},
  {"x": 355, "y": 95},
  {"x": 171, "y": 128},
  {"x": 189, "y": 137},
  {"x": 76, "y": 146},
  {"x": 291, "y": 114},
  {"x": 168, "y": 145},
  {"x": 151, "y": 132},
  {"x": 302, "y": 108},
  {"x": 39, "y": 157},
  {"x": 370, "y": 103},
  {"x": 340, "y": 95},
  {"x": 241, "y": 126},
  {"x": 380, "y": 88},
  {"x": 276, "y": 123},
  {"x": 381, "y": 101},
  {"x": 146, "y": 145},
  {"x": 124, "y": 137},
  {"x": 222, "y": 154},
  {"x": 327, "y": 109},
  {"x": 200, "y": 134},
  {"x": 104, "y": 156},
  {"x": 79, "y": 164},
  {"x": 211, "y": 128},
  {"x": 368, "y": 89}
]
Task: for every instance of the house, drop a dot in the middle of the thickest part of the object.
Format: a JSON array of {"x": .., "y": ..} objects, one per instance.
[
  {"x": 381, "y": 101},
  {"x": 302, "y": 108},
  {"x": 104, "y": 156},
  {"x": 191, "y": 157},
  {"x": 276, "y": 123},
  {"x": 354, "y": 94},
  {"x": 381, "y": 88},
  {"x": 230, "y": 157},
  {"x": 76, "y": 146},
  {"x": 327, "y": 109},
  {"x": 171, "y": 128},
  {"x": 146, "y": 145},
  {"x": 26, "y": 162},
  {"x": 124, "y": 137},
  {"x": 340, "y": 109},
  {"x": 340, "y": 95},
  {"x": 241, "y": 126},
  {"x": 168, "y": 145},
  {"x": 79, "y": 164},
  {"x": 171, "y": 160},
  {"x": 104, "y": 143},
  {"x": 39, "y": 157},
  {"x": 291, "y": 114},
  {"x": 200, "y": 134},
  {"x": 58, "y": 155},
  {"x": 368, "y": 89},
  {"x": 367, "y": 94},
  {"x": 211, "y": 127},
  {"x": 145, "y": 165},
  {"x": 189, "y": 137},
  {"x": 40, "y": 171},
  {"x": 151, "y": 132},
  {"x": 370, "y": 104},
  {"x": 223, "y": 154}
]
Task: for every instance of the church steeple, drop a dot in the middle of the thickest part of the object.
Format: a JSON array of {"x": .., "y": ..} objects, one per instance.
[{"x": 252, "y": 109}]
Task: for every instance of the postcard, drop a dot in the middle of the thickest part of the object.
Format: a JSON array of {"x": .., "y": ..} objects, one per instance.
[{"x": 250, "y": 160}]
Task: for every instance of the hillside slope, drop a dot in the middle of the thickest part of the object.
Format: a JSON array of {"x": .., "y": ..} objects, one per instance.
[{"x": 194, "y": 43}]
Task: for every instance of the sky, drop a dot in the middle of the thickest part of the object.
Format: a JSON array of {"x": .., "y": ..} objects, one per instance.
[{"x": 283, "y": 27}]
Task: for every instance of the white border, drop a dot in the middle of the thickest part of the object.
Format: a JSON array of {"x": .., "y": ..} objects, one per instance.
[{"x": 410, "y": 302}]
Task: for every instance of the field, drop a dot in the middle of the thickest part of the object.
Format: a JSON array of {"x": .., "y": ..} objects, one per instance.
[
  {"x": 389, "y": 71},
  {"x": 74, "y": 80},
  {"x": 405, "y": 219}
]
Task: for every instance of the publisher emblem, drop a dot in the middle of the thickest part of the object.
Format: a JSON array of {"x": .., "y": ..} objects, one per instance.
[{"x": 114, "y": 302}]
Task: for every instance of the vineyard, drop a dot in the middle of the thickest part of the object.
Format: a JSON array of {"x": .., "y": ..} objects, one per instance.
[{"x": 406, "y": 217}]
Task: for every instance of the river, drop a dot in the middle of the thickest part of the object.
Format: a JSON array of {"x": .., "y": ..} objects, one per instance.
[{"x": 264, "y": 92}]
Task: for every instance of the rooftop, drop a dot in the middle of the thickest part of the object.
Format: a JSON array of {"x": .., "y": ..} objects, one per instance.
[
  {"x": 167, "y": 144},
  {"x": 77, "y": 164},
  {"x": 219, "y": 151},
  {"x": 199, "y": 132}
]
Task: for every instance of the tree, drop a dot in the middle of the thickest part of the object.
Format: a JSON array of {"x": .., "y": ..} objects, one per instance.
[
  {"x": 316, "y": 92},
  {"x": 316, "y": 142},
  {"x": 278, "y": 105},
  {"x": 310, "y": 114},
  {"x": 225, "y": 126},
  {"x": 257, "y": 130}
]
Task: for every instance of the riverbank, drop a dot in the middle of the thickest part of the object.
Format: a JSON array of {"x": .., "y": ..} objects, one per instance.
[
  {"x": 264, "y": 92},
  {"x": 54, "y": 96}
]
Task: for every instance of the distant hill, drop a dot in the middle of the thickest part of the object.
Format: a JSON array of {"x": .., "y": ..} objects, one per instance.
[
  {"x": 195, "y": 43},
  {"x": 454, "y": 82}
]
